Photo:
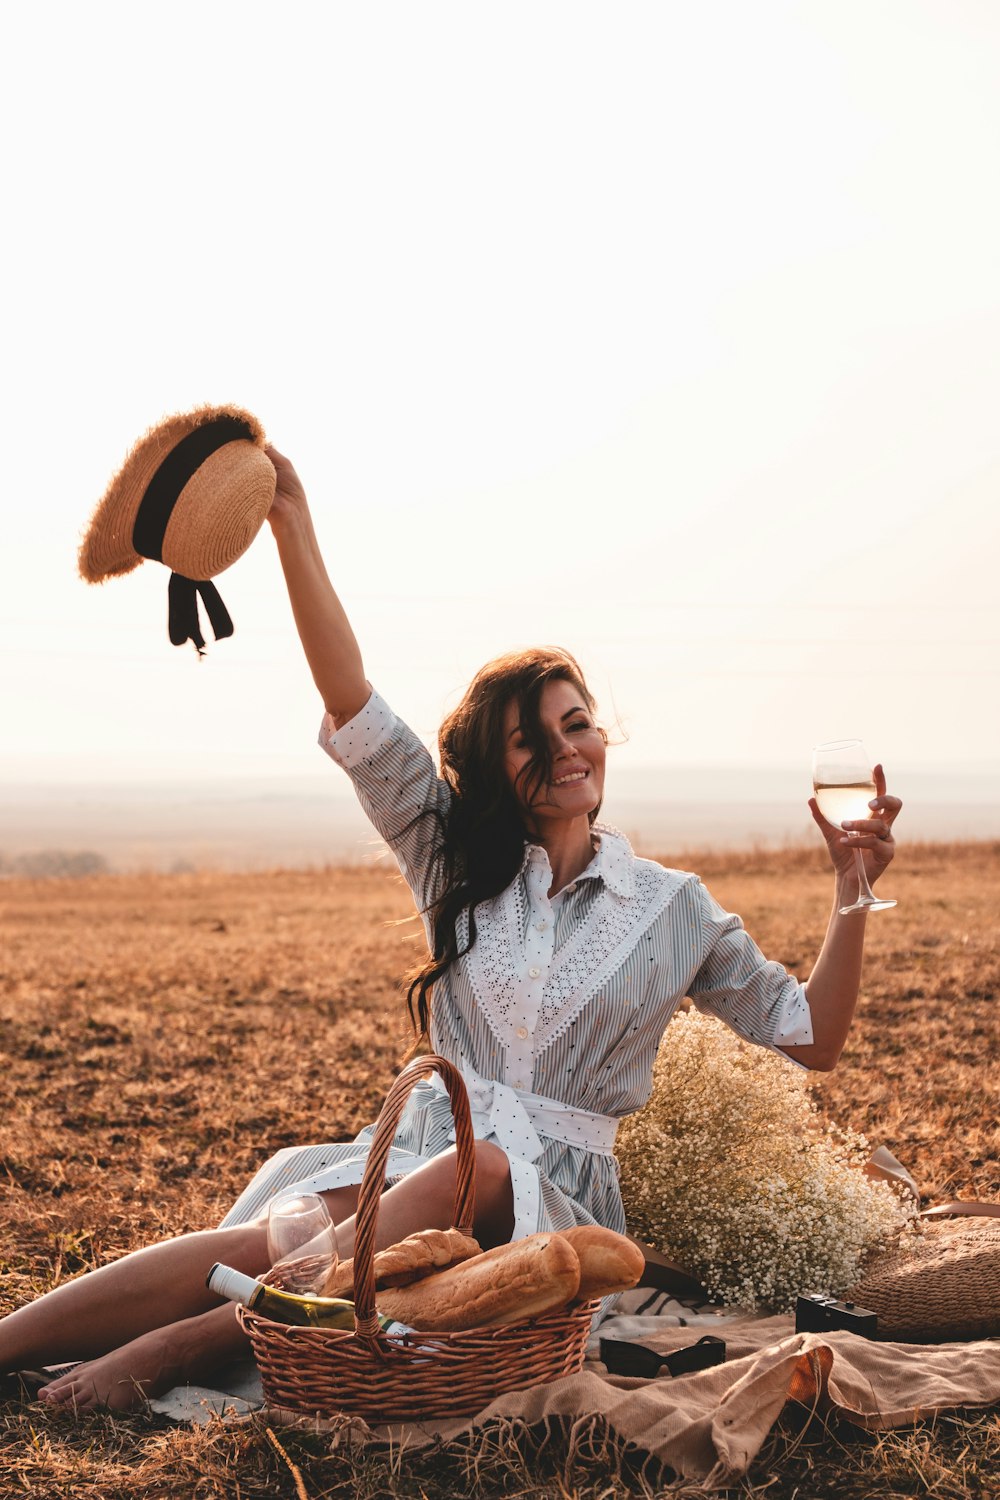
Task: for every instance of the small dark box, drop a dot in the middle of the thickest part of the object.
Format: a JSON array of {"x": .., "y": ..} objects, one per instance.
[{"x": 819, "y": 1314}]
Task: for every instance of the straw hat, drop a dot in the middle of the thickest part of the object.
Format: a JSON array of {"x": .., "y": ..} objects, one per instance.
[
  {"x": 192, "y": 493},
  {"x": 943, "y": 1286}
]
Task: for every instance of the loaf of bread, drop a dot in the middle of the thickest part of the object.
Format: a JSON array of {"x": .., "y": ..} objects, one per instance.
[
  {"x": 418, "y": 1255},
  {"x": 518, "y": 1280},
  {"x": 609, "y": 1262}
]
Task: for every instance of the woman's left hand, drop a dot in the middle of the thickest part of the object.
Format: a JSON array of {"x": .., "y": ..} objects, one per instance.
[{"x": 873, "y": 836}]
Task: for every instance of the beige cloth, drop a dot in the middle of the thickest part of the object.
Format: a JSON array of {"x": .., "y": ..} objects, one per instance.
[
  {"x": 710, "y": 1426},
  {"x": 707, "y": 1427}
]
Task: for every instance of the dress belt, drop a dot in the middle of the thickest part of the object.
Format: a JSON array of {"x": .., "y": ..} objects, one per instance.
[{"x": 516, "y": 1119}]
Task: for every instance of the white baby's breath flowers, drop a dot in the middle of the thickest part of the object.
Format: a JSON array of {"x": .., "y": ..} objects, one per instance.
[{"x": 731, "y": 1170}]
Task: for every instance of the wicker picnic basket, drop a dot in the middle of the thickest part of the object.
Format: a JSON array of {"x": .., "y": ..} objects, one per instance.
[{"x": 414, "y": 1376}]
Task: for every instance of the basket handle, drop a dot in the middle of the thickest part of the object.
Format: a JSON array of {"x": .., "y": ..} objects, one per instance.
[{"x": 365, "y": 1320}]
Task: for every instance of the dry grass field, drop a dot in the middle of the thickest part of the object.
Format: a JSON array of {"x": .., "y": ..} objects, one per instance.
[{"x": 160, "y": 1036}]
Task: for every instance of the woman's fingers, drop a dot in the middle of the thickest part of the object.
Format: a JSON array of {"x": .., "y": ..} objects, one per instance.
[
  {"x": 872, "y": 833},
  {"x": 876, "y": 826},
  {"x": 888, "y": 806},
  {"x": 283, "y": 466},
  {"x": 288, "y": 489}
]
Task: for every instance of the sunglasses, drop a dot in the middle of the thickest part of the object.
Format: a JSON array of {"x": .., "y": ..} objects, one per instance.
[{"x": 621, "y": 1358}]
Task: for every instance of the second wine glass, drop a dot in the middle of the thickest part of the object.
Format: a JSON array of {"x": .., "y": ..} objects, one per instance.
[
  {"x": 301, "y": 1242},
  {"x": 843, "y": 783}
]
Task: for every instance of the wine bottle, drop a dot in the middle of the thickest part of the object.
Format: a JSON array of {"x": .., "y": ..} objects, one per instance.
[{"x": 287, "y": 1307}]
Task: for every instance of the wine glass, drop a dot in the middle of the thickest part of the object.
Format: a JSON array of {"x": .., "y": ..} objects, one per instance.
[
  {"x": 301, "y": 1242},
  {"x": 842, "y": 781}
]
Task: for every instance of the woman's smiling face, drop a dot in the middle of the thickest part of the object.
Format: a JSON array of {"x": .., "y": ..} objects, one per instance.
[{"x": 577, "y": 747}]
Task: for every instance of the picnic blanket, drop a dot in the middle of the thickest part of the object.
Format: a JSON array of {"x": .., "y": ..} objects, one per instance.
[{"x": 706, "y": 1427}]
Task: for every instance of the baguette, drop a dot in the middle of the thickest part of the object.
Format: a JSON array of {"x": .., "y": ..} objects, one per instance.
[
  {"x": 514, "y": 1281},
  {"x": 418, "y": 1255},
  {"x": 609, "y": 1262}
]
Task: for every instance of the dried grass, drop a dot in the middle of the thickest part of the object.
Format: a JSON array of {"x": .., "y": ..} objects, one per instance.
[{"x": 161, "y": 1035}]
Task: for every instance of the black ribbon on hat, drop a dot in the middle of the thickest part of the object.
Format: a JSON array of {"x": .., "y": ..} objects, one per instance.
[
  {"x": 182, "y": 611},
  {"x": 155, "y": 509}
]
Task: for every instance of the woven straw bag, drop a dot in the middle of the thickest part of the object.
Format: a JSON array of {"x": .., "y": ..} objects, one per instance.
[
  {"x": 416, "y": 1376},
  {"x": 944, "y": 1286}
]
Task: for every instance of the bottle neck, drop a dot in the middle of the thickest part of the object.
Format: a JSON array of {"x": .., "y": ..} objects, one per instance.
[{"x": 225, "y": 1281}]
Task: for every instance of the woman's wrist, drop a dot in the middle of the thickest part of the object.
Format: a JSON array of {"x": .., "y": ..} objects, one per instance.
[
  {"x": 288, "y": 515},
  {"x": 846, "y": 887}
]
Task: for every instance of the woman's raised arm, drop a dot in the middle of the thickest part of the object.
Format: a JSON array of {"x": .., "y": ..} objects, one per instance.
[{"x": 331, "y": 649}]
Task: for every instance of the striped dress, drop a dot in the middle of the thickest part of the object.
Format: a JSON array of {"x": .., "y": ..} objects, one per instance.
[{"x": 555, "y": 1015}]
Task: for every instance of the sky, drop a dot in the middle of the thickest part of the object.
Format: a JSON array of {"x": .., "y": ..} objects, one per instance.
[{"x": 668, "y": 333}]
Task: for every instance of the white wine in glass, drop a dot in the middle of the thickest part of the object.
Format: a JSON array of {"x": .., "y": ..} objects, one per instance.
[{"x": 842, "y": 781}]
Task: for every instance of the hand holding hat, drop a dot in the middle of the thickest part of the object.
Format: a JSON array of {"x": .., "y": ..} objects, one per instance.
[{"x": 192, "y": 493}]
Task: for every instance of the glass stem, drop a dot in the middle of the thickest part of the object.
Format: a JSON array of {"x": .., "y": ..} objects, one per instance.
[{"x": 864, "y": 889}]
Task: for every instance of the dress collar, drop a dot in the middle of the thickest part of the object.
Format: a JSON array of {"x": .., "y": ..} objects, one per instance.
[{"x": 612, "y": 861}]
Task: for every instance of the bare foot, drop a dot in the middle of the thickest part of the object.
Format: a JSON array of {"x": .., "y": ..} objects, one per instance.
[{"x": 118, "y": 1381}]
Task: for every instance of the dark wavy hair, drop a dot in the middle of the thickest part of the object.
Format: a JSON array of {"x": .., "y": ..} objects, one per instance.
[{"x": 481, "y": 836}]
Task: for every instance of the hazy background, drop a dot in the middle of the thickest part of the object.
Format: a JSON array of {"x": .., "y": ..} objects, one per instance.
[{"x": 668, "y": 333}]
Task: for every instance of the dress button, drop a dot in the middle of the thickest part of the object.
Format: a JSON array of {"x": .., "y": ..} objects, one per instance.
[
  {"x": 571, "y": 889},
  {"x": 534, "y": 973},
  {"x": 541, "y": 926},
  {"x": 522, "y": 1032},
  {"x": 519, "y": 1083}
]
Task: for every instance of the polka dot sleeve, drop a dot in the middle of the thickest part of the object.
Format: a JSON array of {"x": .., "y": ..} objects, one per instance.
[
  {"x": 360, "y": 737},
  {"x": 398, "y": 787},
  {"x": 758, "y": 998}
]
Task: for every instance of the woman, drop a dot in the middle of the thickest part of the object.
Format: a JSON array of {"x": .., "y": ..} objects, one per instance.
[{"x": 556, "y": 960}]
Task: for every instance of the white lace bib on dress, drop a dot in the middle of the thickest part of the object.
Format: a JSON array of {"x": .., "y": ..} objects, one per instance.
[{"x": 605, "y": 938}]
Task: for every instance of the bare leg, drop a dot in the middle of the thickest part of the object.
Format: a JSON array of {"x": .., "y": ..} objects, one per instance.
[
  {"x": 180, "y": 1354},
  {"x": 148, "y": 1315},
  {"x": 104, "y": 1309},
  {"x": 147, "y": 1321},
  {"x": 426, "y": 1200}
]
